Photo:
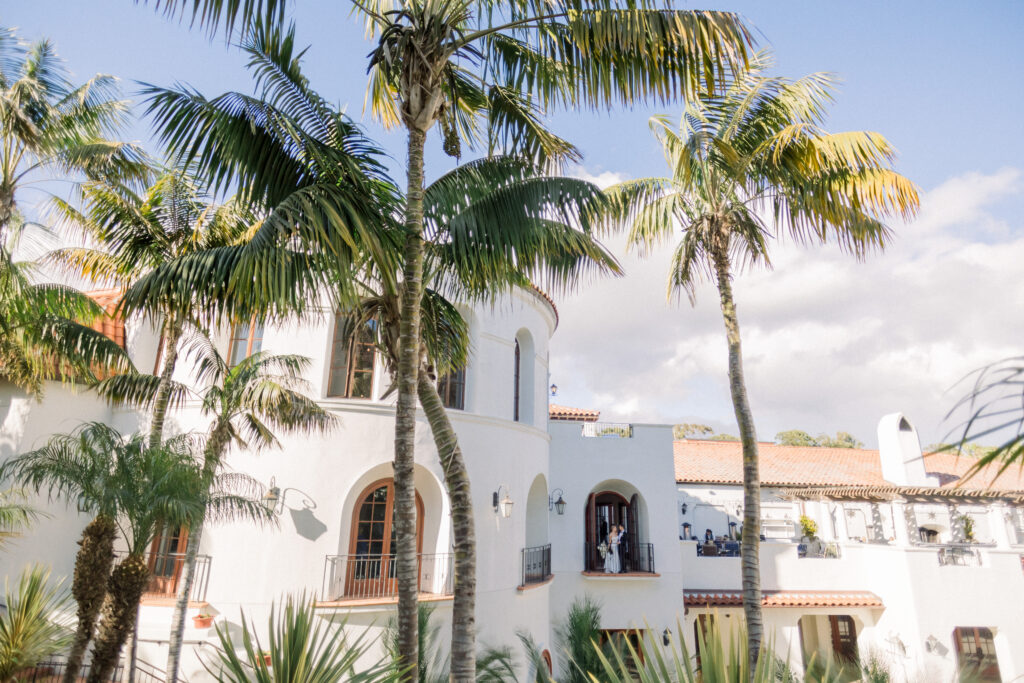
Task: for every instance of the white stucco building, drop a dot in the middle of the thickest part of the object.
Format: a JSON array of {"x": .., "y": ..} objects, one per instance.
[{"x": 892, "y": 570}]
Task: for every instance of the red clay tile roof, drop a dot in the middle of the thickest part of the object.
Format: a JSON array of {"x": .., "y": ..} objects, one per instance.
[
  {"x": 565, "y": 413},
  {"x": 709, "y": 598},
  {"x": 721, "y": 462},
  {"x": 551, "y": 302},
  {"x": 109, "y": 325}
]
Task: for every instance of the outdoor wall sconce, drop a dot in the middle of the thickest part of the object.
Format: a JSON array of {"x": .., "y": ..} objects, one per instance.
[
  {"x": 666, "y": 637},
  {"x": 554, "y": 389},
  {"x": 272, "y": 499},
  {"x": 682, "y": 508},
  {"x": 502, "y": 505},
  {"x": 556, "y": 503}
]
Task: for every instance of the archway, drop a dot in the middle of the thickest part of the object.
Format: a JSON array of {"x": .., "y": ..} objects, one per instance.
[
  {"x": 537, "y": 513},
  {"x": 617, "y": 505}
]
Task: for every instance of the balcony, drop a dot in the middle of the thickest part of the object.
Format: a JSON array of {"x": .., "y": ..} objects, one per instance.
[
  {"x": 820, "y": 550},
  {"x": 165, "y": 572},
  {"x": 622, "y": 430},
  {"x": 372, "y": 578},
  {"x": 635, "y": 558},
  {"x": 959, "y": 555},
  {"x": 536, "y": 564}
]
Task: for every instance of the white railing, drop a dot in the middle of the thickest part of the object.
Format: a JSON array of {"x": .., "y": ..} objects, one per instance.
[
  {"x": 623, "y": 430},
  {"x": 362, "y": 577}
]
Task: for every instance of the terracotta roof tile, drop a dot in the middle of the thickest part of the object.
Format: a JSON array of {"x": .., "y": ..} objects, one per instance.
[
  {"x": 110, "y": 325},
  {"x": 567, "y": 414},
  {"x": 732, "y": 598},
  {"x": 721, "y": 462}
]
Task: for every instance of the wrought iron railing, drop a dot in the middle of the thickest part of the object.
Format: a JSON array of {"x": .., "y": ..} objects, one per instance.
[
  {"x": 536, "y": 562},
  {"x": 959, "y": 555},
  {"x": 620, "y": 429},
  {"x": 52, "y": 671},
  {"x": 634, "y": 558},
  {"x": 820, "y": 550},
  {"x": 361, "y": 577},
  {"x": 166, "y": 569}
]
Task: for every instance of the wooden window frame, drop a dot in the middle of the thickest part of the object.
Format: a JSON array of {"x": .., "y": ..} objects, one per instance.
[
  {"x": 446, "y": 389},
  {"x": 349, "y": 368},
  {"x": 843, "y": 646},
  {"x": 388, "y": 519},
  {"x": 250, "y": 341},
  {"x": 980, "y": 634},
  {"x": 516, "y": 367}
]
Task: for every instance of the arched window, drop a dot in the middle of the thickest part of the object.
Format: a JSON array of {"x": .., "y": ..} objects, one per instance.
[
  {"x": 351, "y": 374},
  {"x": 515, "y": 383},
  {"x": 371, "y": 567},
  {"x": 246, "y": 339},
  {"x": 452, "y": 388}
]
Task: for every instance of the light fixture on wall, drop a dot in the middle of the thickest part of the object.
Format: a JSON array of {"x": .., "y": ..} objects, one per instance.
[
  {"x": 683, "y": 508},
  {"x": 272, "y": 499},
  {"x": 666, "y": 637},
  {"x": 502, "y": 504},
  {"x": 554, "y": 389},
  {"x": 556, "y": 503}
]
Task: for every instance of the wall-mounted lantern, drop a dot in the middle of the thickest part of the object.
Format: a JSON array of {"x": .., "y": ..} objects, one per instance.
[
  {"x": 272, "y": 499},
  {"x": 502, "y": 504},
  {"x": 556, "y": 503},
  {"x": 554, "y": 389},
  {"x": 683, "y": 508}
]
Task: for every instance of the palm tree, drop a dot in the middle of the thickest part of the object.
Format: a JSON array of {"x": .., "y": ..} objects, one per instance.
[
  {"x": 50, "y": 128},
  {"x": 466, "y": 64},
  {"x": 32, "y": 625},
  {"x": 158, "y": 488},
  {"x": 137, "y": 231},
  {"x": 16, "y": 514},
  {"x": 759, "y": 148},
  {"x": 490, "y": 225},
  {"x": 302, "y": 649},
  {"x": 76, "y": 467}
]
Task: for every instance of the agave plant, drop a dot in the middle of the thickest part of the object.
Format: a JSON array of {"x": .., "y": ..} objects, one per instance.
[
  {"x": 300, "y": 649},
  {"x": 34, "y": 626}
]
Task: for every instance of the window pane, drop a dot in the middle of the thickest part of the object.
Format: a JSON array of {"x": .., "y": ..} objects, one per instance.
[{"x": 257, "y": 339}]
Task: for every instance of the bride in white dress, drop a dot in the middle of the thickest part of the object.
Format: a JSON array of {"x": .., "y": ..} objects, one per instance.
[{"x": 611, "y": 561}]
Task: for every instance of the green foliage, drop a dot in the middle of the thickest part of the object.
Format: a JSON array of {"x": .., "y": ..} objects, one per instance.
[
  {"x": 33, "y": 625},
  {"x": 687, "y": 429},
  {"x": 493, "y": 665},
  {"x": 876, "y": 668},
  {"x": 302, "y": 647},
  {"x": 796, "y": 437},
  {"x": 808, "y": 527},
  {"x": 967, "y": 525},
  {"x": 723, "y": 437},
  {"x": 15, "y": 514},
  {"x": 576, "y": 637}
]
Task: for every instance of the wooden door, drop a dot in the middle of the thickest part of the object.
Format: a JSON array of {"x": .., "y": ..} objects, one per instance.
[
  {"x": 370, "y": 570},
  {"x": 166, "y": 559},
  {"x": 591, "y": 533},
  {"x": 844, "y": 637},
  {"x": 634, "y": 562}
]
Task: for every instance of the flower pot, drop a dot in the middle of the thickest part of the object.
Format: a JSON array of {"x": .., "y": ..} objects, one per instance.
[
  {"x": 267, "y": 660},
  {"x": 203, "y": 620}
]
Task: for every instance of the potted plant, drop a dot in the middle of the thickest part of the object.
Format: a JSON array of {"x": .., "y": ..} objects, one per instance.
[
  {"x": 808, "y": 528},
  {"x": 204, "y": 619},
  {"x": 967, "y": 524}
]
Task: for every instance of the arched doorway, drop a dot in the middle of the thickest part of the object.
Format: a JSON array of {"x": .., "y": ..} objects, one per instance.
[
  {"x": 371, "y": 567},
  {"x": 608, "y": 509}
]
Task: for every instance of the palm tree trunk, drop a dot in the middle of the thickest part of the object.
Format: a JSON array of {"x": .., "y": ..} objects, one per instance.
[
  {"x": 215, "y": 447},
  {"x": 456, "y": 480},
  {"x": 750, "y": 538},
  {"x": 407, "y": 564},
  {"x": 127, "y": 583},
  {"x": 172, "y": 335},
  {"x": 89, "y": 587}
]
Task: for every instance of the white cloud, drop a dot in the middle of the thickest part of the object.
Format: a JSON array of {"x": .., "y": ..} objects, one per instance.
[{"x": 829, "y": 343}]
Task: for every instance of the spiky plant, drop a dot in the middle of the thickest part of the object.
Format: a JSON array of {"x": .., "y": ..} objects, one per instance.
[{"x": 33, "y": 624}]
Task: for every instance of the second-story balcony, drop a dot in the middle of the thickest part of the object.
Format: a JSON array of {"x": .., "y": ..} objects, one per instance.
[
  {"x": 631, "y": 558},
  {"x": 536, "y": 565},
  {"x": 373, "y": 578},
  {"x": 959, "y": 555}
]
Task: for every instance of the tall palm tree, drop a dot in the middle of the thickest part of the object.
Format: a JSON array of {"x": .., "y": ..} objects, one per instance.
[
  {"x": 136, "y": 231},
  {"x": 76, "y": 467},
  {"x": 490, "y": 225},
  {"x": 760, "y": 149},
  {"x": 469, "y": 65},
  {"x": 158, "y": 488},
  {"x": 52, "y": 129}
]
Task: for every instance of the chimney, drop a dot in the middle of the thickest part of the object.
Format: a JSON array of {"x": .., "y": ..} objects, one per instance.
[{"x": 900, "y": 451}]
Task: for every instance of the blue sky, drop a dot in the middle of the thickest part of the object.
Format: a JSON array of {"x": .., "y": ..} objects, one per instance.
[{"x": 942, "y": 80}]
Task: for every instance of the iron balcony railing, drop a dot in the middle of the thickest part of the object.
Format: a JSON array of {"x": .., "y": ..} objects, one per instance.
[
  {"x": 634, "y": 558},
  {"x": 365, "y": 577},
  {"x": 959, "y": 555},
  {"x": 536, "y": 564},
  {"x": 52, "y": 671},
  {"x": 166, "y": 569}
]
